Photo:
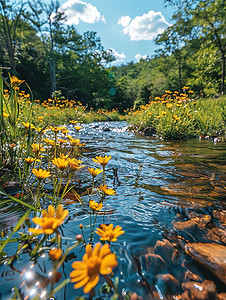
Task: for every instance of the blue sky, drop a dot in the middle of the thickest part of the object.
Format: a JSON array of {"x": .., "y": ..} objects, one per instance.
[{"x": 125, "y": 26}]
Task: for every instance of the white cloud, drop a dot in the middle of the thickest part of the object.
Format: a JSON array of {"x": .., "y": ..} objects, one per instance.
[
  {"x": 124, "y": 21},
  {"x": 119, "y": 57},
  {"x": 139, "y": 56},
  {"x": 77, "y": 10},
  {"x": 145, "y": 27}
]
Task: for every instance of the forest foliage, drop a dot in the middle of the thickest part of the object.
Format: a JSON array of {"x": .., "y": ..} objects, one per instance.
[{"x": 38, "y": 47}]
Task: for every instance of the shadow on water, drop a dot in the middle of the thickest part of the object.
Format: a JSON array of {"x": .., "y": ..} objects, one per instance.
[{"x": 179, "y": 182}]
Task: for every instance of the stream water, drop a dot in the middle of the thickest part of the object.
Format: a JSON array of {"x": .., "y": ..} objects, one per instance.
[{"x": 175, "y": 178}]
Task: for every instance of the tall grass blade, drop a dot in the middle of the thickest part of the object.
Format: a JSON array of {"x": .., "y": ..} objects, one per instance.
[{"x": 16, "y": 228}]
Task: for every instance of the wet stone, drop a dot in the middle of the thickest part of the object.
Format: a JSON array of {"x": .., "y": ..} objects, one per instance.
[
  {"x": 199, "y": 291},
  {"x": 134, "y": 296},
  {"x": 106, "y": 129},
  {"x": 221, "y": 296},
  {"x": 152, "y": 263},
  {"x": 167, "y": 281},
  {"x": 217, "y": 235},
  {"x": 220, "y": 215},
  {"x": 198, "y": 221},
  {"x": 165, "y": 249},
  {"x": 190, "y": 276},
  {"x": 149, "y": 131},
  {"x": 212, "y": 256}
]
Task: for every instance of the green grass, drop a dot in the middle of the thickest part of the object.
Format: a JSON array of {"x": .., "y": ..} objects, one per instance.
[{"x": 180, "y": 117}]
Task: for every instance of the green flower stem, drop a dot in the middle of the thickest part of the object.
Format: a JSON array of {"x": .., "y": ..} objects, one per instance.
[
  {"x": 65, "y": 254},
  {"x": 25, "y": 175},
  {"x": 66, "y": 186},
  {"x": 92, "y": 227},
  {"x": 34, "y": 252},
  {"x": 111, "y": 284},
  {"x": 103, "y": 175},
  {"x": 55, "y": 144},
  {"x": 59, "y": 186},
  {"x": 37, "y": 202}
]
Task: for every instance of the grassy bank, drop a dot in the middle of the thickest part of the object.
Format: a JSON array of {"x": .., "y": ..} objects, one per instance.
[{"x": 179, "y": 116}]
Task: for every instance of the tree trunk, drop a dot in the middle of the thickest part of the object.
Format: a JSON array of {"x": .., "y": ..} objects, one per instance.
[
  {"x": 179, "y": 74},
  {"x": 223, "y": 74},
  {"x": 52, "y": 75}
]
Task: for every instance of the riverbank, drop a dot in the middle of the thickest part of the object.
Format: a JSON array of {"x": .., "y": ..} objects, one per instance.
[{"x": 175, "y": 116}]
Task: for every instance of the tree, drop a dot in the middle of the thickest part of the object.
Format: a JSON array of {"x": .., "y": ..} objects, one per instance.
[
  {"x": 174, "y": 39},
  {"x": 207, "y": 18},
  {"x": 48, "y": 21},
  {"x": 10, "y": 15}
]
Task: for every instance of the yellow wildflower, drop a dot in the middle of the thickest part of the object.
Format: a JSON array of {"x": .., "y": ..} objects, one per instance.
[
  {"x": 74, "y": 142},
  {"x": 74, "y": 164},
  {"x": 103, "y": 160},
  {"x": 40, "y": 130},
  {"x": 55, "y": 129},
  {"x": 37, "y": 148},
  {"x": 49, "y": 141},
  {"x": 60, "y": 162},
  {"x": 99, "y": 260},
  {"x": 95, "y": 206},
  {"x": 29, "y": 160},
  {"x": 108, "y": 233},
  {"x": 62, "y": 141},
  {"x": 41, "y": 174},
  {"x": 50, "y": 220},
  {"x": 169, "y": 105},
  {"x": 28, "y": 125},
  {"x": 77, "y": 127},
  {"x": 15, "y": 81},
  {"x": 64, "y": 131},
  {"x": 106, "y": 191},
  {"x": 94, "y": 172}
]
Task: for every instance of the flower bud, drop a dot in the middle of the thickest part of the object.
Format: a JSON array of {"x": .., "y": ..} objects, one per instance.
[
  {"x": 79, "y": 237},
  {"x": 55, "y": 253}
]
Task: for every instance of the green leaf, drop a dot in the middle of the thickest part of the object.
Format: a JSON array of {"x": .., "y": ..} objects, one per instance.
[
  {"x": 2, "y": 192},
  {"x": 16, "y": 228}
]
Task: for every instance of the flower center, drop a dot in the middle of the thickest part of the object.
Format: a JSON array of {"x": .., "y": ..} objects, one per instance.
[
  {"x": 110, "y": 235},
  {"x": 93, "y": 265}
]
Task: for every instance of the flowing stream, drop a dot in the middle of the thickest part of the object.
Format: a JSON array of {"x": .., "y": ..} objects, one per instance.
[{"x": 175, "y": 178}]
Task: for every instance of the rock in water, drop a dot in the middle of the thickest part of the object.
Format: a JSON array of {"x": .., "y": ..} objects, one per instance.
[
  {"x": 211, "y": 256},
  {"x": 106, "y": 129}
]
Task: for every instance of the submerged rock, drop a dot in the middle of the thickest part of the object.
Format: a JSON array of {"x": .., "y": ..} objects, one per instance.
[
  {"x": 220, "y": 215},
  {"x": 149, "y": 131},
  {"x": 199, "y": 291},
  {"x": 198, "y": 221},
  {"x": 211, "y": 256},
  {"x": 168, "y": 282},
  {"x": 166, "y": 250},
  {"x": 152, "y": 263},
  {"x": 217, "y": 235},
  {"x": 106, "y": 129},
  {"x": 190, "y": 276}
]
